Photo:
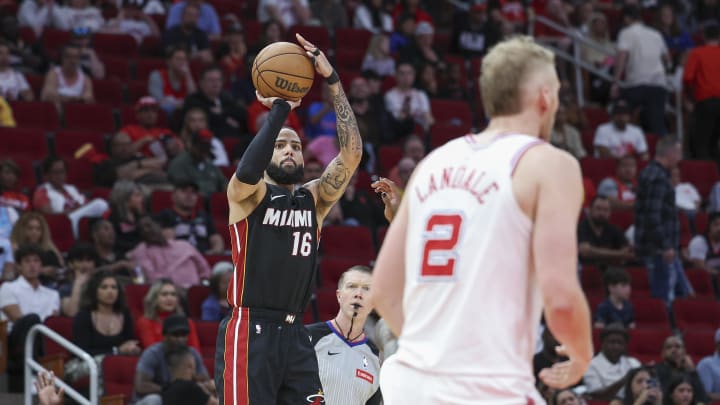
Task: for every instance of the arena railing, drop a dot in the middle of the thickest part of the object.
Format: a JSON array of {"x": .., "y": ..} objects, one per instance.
[
  {"x": 579, "y": 65},
  {"x": 32, "y": 366}
]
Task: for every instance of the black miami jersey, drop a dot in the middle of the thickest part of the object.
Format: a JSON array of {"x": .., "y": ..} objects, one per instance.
[{"x": 274, "y": 251}]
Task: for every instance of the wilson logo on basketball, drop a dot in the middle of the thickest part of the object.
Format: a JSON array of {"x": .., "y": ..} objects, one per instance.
[{"x": 292, "y": 87}]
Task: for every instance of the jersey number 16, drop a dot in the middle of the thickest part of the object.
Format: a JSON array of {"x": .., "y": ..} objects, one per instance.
[{"x": 302, "y": 243}]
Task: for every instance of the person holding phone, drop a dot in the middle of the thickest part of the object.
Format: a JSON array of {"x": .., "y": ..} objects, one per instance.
[{"x": 641, "y": 388}]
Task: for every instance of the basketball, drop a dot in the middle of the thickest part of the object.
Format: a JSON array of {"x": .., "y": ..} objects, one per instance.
[{"x": 282, "y": 69}]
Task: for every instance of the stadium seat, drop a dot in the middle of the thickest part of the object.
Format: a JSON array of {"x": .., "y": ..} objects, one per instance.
[
  {"x": 144, "y": 67},
  {"x": 63, "y": 325},
  {"x": 84, "y": 229},
  {"x": 443, "y": 132},
  {"x": 161, "y": 199},
  {"x": 61, "y": 230},
  {"x": 650, "y": 313},
  {"x": 96, "y": 117},
  {"x": 108, "y": 91},
  {"x": 699, "y": 343},
  {"x": 116, "y": 67},
  {"x": 332, "y": 267},
  {"x": 349, "y": 58},
  {"x": 54, "y": 39},
  {"x": 381, "y": 232},
  {"x": 591, "y": 280},
  {"x": 622, "y": 219},
  {"x": 66, "y": 142},
  {"x": 36, "y": 82},
  {"x": 646, "y": 344},
  {"x": 29, "y": 175},
  {"x": 451, "y": 111},
  {"x": 119, "y": 375},
  {"x": 651, "y": 140},
  {"x": 219, "y": 208},
  {"x": 195, "y": 296},
  {"x": 701, "y": 222},
  {"x": 696, "y": 314},
  {"x": 207, "y": 335},
  {"x": 36, "y": 114},
  {"x": 214, "y": 259},
  {"x": 358, "y": 39},
  {"x": 702, "y": 174},
  {"x": 24, "y": 143},
  {"x": 351, "y": 242},
  {"x": 389, "y": 157},
  {"x": 595, "y": 116},
  {"x": 225, "y": 7},
  {"x": 135, "y": 90},
  {"x": 252, "y": 29},
  {"x": 442, "y": 42},
  {"x": 318, "y": 35},
  {"x": 210, "y": 364},
  {"x": 116, "y": 44},
  {"x": 135, "y": 294},
  {"x": 639, "y": 281},
  {"x": 588, "y": 136},
  {"x": 80, "y": 174},
  {"x": 597, "y": 169},
  {"x": 701, "y": 282},
  {"x": 152, "y": 46}
]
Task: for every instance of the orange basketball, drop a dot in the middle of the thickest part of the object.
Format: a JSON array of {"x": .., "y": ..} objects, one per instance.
[{"x": 282, "y": 69}]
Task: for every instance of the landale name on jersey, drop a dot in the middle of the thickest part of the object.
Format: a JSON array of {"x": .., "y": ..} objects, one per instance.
[
  {"x": 458, "y": 178},
  {"x": 294, "y": 218}
]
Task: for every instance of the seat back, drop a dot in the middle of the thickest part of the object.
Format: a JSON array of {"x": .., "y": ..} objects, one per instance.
[{"x": 119, "y": 374}]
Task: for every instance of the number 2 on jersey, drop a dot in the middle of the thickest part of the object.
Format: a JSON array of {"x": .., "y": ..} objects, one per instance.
[
  {"x": 302, "y": 243},
  {"x": 442, "y": 233}
]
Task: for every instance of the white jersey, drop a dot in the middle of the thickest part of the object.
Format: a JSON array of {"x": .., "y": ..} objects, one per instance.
[{"x": 471, "y": 301}]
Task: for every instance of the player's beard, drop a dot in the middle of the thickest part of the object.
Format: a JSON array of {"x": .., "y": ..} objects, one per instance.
[{"x": 285, "y": 176}]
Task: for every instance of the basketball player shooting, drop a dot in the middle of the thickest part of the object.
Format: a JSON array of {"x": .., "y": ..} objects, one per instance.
[
  {"x": 484, "y": 239},
  {"x": 264, "y": 354}
]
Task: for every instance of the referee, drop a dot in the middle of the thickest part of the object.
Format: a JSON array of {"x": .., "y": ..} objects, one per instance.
[{"x": 348, "y": 362}]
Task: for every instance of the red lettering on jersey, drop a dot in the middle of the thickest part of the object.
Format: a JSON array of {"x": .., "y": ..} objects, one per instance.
[
  {"x": 364, "y": 375},
  {"x": 456, "y": 178},
  {"x": 447, "y": 173}
]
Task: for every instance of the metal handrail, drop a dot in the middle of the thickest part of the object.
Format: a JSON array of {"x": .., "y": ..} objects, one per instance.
[
  {"x": 32, "y": 365},
  {"x": 578, "y": 38}
]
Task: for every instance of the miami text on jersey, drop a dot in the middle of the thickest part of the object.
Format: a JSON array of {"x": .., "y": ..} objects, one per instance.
[{"x": 294, "y": 218}]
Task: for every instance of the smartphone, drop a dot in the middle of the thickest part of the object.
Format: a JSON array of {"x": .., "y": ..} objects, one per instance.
[{"x": 652, "y": 383}]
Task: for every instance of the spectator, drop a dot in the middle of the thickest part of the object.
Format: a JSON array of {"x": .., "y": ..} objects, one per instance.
[
  {"x": 359, "y": 208},
  {"x": 706, "y": 12},
  {"x": 601, "y": 242},
  {"x": 312, "y": 170},
  {"x": 622, "y": 188},
  {"x": 152, "y": 372},
  {"x": 407, "y": 105},
  {"x": 321, "y": 117},
  {"x": 370, "y": 15},
  {"x": 215, "y": 307},
  {"x": 704, "y": 250},
  {"x": 566, "y": 136},
  {"x": 160, "y": 257},
  {"x": 608, "y": 369},
  {"x": 680, "y": 392},
  {"x": 330, "y": 14},
  {"x": 195, "y": 121},
  {"x": 566, "y": 397},
  {"x": 226, "y": 118},
  {"x": 699, "y": 76},
  {"x": 421, "y": 50},
  {"x": 7, "y": 120},
  {"x": 641, "y": 388},
  {"x": 89, "y": 61},
  {"x": 548, "y": 355},
  {"x": 687, "y": 197},
  {"x": 81, "y": 261},
  {"x": 103, "y": 326},
  {"x": 195, "y": 165},
  {"x": 616, "y": 308},
  {"x": 32, "y": 229},
  {"x": 414, "y": 9},
  {"x": 9, "y": 196},
  {"x": 257, "y": 113},
  {"x": 603, "y": 59},
  {"x": 413, "y": 148},
  {"x": 127, "y": 203},
  {"x": 183, "y": 221},
  {"x": 146, "y": 135},
  {"x": 124, "y": 164},
  {"x": 39, "y": 14},
  {"x": 161, "y": 302},
  {"x": 378, "y": 58},
  {"x": 618, "y": 137},
  {"x": 171, "y": 85},
  {"x": 656, "y": 224},
  {"x": 24, "y": 303},
  {"x": 233, "y": 55},
  {"x": 475, "y": 33},
  {"x": 23, "y": 56},
  {"x": 13, "y": 85},
  {"x": 133, "y": 21},
  {"x": 371, "y": 119},
  {"x": 56, "y": 196},
  {"x": 428, "y": 82},
  {"x": 676, "y": 363},
  {"x": 79, "y": 14},
  {"x": 67, "y": 82},
  {"x": 188, "y": 36},
  {"x": 102, "y": 235},
  {"x": 272, "y": 31},
  {"x": 183, "y": 388},
  {"x": 207, "y": 21},
  {"x": 8, "y": 216},
  {"x": 405, "y": 168},
  {"x": 708, "y": 370},
  {"x": 677, "y": 40},
  {"x": 403, "y": 34},
  {"x": 643, "y": 57},
  {"x": 287, "y": 12}
]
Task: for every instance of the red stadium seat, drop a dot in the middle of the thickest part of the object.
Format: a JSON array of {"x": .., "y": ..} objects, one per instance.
[
  {"x": 214, "y": 259},
  {"x": 381, "y": 232},
  {"x": 349, "y": 58},
  {"x": 116, "y": 44},
  {"x": 135, "y": 90},
  {"x": 195, "y": 296},
  {"x": 144, "y": 67},
  {"x": 351, "y": 242},
  {"x": 36, "y": 83},
  {"x": 135, "y": 294},
  {"x": 36, "y": 114},
  {"x": 116, "y": 67},
  {"x": 597, "y": 169},
  {"x": 443, "y": 132},
  {"x": 451, "y": 111},
  {"x": 108, "y": 91},
  {"x": 332, "y": 267},
  {"x": 699, "y": 343},
  {"x": 119, "y": 375},
  {"x": 61, "y": 230},
  {"x": 696, "y": 314},
  {"x": 389, "y": 157},
  {"x": 358, "y": 39},
  {"x": 28, "y": 174},
  {"x": 24, "y": 143},
  {"x": 591, "y": 280},
  {"x": 210, "y": 365},
  {"x": 701, "y": 222},
  {"x": 80, "y": 174},
  {"x": 84, "y": 229},
  {"x": 219, "y": 207},
  {"x": 702, "y": 174},
  {"x": 96, "y": 117},
  {"x": 207, "y": 335},
  {"x": 650, "y": 313},
  {"x": 595, "y": 116},
  {"x": 622, "y": 219},
  {"x": 701, "y": 282},
  {"x": 646, "y": 344},
  {"x": 55, "y": 39},
  {"x": 318, "y": 35},
  {"x": 639, "y": 281},
  {"x": 252, "y": 30},
  {"x": 63, "y": 325},
  {"x": 67, "y": 142},
  {"x": 152, "y": 46},
  {"x": 588, "y": 136}
]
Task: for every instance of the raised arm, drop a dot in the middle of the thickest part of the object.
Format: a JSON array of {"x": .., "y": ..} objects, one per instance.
[{"x": 331, "y": 185}]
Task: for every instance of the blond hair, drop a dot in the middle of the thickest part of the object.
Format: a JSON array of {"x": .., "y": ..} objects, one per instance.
[
  {"x": 374, "y": 47},
  {"x": 504, "y": 69},
  {"x": 18, "y": 236},
  {"x": 150, "y": 309}
]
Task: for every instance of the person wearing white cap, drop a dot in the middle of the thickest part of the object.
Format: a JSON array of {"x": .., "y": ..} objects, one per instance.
[
  {"x": 709, "y": 371},
  {"x": 421, "y": 51}
]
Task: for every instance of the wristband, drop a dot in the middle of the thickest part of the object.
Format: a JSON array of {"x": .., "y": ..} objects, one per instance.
[{"x": 333, "y": 78}]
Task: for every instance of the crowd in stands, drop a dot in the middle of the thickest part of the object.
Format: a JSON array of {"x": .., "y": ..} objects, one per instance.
[{"x": 121, "y": 121}]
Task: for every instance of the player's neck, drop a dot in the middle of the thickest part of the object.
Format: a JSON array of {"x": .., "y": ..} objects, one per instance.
[
  {"x": 523, "y": 123},
  {"x": 269, "y": 180}
]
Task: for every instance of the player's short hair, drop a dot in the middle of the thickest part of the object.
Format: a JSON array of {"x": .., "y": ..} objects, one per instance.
[
  {"x": 361, "y": 269},
  {"x": 597, "y": 198},
  {"x": 504, "y": 69},
  {"x": 615, "y": 276}
]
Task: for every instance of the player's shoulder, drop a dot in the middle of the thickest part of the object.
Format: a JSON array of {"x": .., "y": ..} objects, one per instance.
[
  {"x": 318, "y": 331},
  {"x": 551, "y": 159}
]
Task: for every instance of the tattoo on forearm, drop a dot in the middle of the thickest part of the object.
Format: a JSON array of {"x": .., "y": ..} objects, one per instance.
[{"x": 347, "y": 128}]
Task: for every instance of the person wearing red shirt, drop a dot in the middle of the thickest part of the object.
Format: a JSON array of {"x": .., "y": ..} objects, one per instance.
[
  {"x": 146, "y": 134},
  {"x": 413, "y": 8},
  {"x": 9, "y": 196},
  {"x": 701, "y": 76},
  {"x": 170, "y": 86},
  {"x": 257, "y": 113}
]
